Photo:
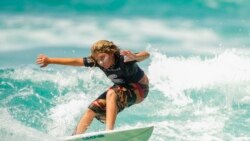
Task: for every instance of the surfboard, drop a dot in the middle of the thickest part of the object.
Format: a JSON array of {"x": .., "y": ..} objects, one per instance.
[{"x": 132, "y": 134}]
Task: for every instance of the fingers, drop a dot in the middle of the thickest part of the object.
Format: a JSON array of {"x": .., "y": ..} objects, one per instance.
[
  {"x": 125, "y": 52},
  {"x": 41, "y": 60},
  {"x": 128, "y": 55}
]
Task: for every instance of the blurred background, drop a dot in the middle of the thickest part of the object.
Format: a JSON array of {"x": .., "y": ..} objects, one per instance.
[
  {"x": 182, "y": 27},
  {"x": 199, "y": 66}
]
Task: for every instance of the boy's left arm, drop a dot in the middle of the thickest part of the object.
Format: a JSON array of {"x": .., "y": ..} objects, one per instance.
[
  {"x": 129, "y": 56},
  {"x": 142, "y": 56}
]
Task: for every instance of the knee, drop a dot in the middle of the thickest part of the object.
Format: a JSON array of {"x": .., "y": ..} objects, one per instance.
[{"x": 111, "y": 95}]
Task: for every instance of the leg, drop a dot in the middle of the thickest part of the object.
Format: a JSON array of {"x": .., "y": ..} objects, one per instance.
[
  {"x": 85, "y": 121},
  {"x": 111, "y": 109}
]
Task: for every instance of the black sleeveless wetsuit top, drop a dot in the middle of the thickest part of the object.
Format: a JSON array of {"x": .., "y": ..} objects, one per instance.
[{"x": 121, "y": 73}]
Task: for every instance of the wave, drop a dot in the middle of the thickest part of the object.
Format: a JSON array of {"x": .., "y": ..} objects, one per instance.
[
  {"x": 228, "y": 72},
  {"x": 29, "y": 32},
  {"x": 12, "y": 129},
  {"x": 174, "y": 36},
  {"x": 191, "y": 98},
  {"x": 43, "y": 99}
]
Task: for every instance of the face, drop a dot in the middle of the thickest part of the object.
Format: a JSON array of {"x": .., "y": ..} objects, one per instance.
[{"x": 104, "y": 59}]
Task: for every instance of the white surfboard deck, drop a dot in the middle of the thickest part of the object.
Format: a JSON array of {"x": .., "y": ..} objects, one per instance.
[{"x": 132, "y": 134}]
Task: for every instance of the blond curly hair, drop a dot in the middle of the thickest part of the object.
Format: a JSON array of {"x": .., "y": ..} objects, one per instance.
[{"x": 104, "y": 46}]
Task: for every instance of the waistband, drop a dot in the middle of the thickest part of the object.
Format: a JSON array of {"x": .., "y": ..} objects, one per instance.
[{"x": 141, "y": 88}]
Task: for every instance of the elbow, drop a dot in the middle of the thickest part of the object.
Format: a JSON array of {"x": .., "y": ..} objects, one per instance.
[{"x": 78, "y": 62}]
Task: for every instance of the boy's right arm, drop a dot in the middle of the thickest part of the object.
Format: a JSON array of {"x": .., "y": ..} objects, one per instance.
[{"x": 43, "y": 61}]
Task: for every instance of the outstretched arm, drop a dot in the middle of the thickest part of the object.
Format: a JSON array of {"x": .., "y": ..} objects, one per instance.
[
  {"x": 43, "y": 61},
  {"x": 129, "y": 56}
]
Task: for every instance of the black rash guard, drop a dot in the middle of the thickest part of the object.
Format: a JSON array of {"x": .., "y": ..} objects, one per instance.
[{"x": 121, "y": 73}]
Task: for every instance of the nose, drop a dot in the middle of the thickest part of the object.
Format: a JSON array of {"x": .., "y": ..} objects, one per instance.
[{"x": 100, "y": 62}]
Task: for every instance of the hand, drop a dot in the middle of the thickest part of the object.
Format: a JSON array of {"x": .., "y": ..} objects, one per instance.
[
  {"x": 128, "y": 55},
  {"x": 42, "y": 60}
]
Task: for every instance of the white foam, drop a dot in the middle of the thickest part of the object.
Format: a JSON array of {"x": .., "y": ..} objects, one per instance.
[
  {"x": 12, "y": 130},
  {"x": 24, "y": 32},
  {"x": 63, "y": 115},
  {"x": 207, "y": 127},
  {"x": 68, "y": 110},
  {"x": 62, "y": 118},
  {"x": 68, "y": 78},
  {"x": 174, "y": 75}
]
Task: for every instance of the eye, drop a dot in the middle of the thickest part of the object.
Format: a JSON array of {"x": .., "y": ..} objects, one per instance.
[{"x": 102, "y": 58}]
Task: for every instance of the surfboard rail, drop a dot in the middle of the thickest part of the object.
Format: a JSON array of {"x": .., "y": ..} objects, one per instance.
[{"x": 131, "y": 134}]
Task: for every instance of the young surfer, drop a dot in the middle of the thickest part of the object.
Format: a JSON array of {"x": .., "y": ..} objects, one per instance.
[{"x": 130, "y": 82}]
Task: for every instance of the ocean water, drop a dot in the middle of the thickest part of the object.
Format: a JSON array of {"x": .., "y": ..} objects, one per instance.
[{"x": 199, "y": 66}]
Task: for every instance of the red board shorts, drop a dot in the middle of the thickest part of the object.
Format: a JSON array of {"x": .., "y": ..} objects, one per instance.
[{"x": 126, "y": 97}]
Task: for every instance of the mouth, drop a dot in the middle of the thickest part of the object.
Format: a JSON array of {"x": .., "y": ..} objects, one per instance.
[{"x": 104, "y": 65}]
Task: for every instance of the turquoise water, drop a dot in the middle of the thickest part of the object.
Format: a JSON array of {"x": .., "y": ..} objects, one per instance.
[{"x": 199, "y": 66}]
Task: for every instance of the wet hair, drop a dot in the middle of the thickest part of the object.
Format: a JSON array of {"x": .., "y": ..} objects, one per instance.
[{"x": 104, "y": 46}]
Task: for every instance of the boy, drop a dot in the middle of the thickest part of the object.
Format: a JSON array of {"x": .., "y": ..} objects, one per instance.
[{"x": 130, "y": 82}]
